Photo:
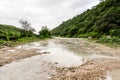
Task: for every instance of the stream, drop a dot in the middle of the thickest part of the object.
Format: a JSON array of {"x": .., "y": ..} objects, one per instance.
[{"x": 55, "y": 52}]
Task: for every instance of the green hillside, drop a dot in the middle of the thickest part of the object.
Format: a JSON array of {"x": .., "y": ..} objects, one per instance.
[
  {"x": 11, "y": 35},
  {"x": 103, "y": 19},
  {"x": 8, "y": 32}
]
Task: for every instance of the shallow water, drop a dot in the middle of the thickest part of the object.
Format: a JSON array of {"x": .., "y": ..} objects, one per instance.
[
  {"x": 29, "y": 46},
  {"x": 62, "y": 54},
  {"x": 27, "y": 69}
]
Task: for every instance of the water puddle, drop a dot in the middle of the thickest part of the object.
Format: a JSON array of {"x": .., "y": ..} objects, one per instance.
[
  {"x": 27, "y": 69},
  {"x": 60, "y": 55},
  {"x": 29, "y": 46}
]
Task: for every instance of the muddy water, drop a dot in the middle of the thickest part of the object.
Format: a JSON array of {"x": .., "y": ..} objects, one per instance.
[
  {"x": 39, "y": 67},
  {"x": 56, "y": 52},
  {"x": 60, "y": 55}
]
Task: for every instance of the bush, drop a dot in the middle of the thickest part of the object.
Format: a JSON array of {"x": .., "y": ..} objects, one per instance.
[
  {"x": 115, "y": 32},
  {"x": 108, "y": 40},
  {"x": 115, "y": 40},
  {"x": 44, "y": 33},
  {"x": 83, "y": 36},
  {"x": 103, "y": 39},
  {"x": 94, "y": 35},
  {"x": 1, "y": 42}
]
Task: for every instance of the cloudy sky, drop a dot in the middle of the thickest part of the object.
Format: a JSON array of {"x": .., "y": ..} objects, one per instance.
[{"x": 42, "y": 12}]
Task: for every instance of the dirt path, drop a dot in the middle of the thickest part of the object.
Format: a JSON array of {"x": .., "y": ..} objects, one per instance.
[{"x": 60, "y": 59}]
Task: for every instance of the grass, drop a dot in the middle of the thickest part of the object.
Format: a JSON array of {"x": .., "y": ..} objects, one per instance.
[
  {"x": 23, "y": 40},
  {"x": 109, "y": 41}
]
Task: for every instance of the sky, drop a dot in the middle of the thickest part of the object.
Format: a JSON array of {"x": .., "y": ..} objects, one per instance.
[{"x": 40, "y": 13}]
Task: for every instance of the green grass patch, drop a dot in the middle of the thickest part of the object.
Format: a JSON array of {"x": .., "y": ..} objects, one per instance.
[
  {"x": 23, "y": 40},
  {"x": 110, "y": 41}
]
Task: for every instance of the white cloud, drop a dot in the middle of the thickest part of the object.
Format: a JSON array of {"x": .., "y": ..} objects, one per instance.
[{"x": 42, "y": 12}]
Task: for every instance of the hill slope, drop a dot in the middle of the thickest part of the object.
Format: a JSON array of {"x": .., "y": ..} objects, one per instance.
[
  {"x": 103, "y": 19},
  {"x": 9, "y": 32}
]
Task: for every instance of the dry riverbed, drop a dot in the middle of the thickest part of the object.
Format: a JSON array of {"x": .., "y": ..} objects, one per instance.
[{"x": 60, "y": 59}]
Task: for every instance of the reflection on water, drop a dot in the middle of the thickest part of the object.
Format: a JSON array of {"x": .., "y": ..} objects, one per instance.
[
  {"x": 62, "y": 56},
  {"x": 67, "y": 55},
  {"x": 29, "y": 46}
]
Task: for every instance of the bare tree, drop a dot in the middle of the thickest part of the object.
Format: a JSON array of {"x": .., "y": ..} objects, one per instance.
[
  {"x": 26, "y": 25},
  {"x": 101, "y": 0}
]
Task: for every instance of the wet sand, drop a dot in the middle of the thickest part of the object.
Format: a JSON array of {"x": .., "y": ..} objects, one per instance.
[{"x": 91, "y": 70}]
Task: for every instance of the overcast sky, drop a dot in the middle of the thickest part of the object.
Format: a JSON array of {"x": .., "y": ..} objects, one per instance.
[{"x": 42, "y": 12}]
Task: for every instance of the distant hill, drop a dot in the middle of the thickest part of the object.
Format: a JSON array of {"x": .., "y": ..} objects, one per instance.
[
  {"x": 103, "y": 19},
  {"x": 9, "y": 32}
]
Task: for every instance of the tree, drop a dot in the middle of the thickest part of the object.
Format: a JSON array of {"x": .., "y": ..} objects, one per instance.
[
  {"x": 26, "y": 26},
  {"x": 101, "y": 0},
  {"x": 44, "y": 33}
]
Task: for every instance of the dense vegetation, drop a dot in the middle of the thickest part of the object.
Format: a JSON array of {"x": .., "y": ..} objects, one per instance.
[
  {"x": 11, "y": 35},
  {"x": 101, "y": 20},
  {"x": 8, "y": 32},
  {"x": 44, "y": 33}
]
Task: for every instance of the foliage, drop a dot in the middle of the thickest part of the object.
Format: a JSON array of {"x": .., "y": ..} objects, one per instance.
[
  {"x": 27, "y": 29},
  {"x": 1, "y": 42},
  {"x": 8, "y": 32},
  {"x": 44, "y": 33},
  {"x": 10, "y": 35},
  {"x": 103, "y": 19},
  {"x": 111, "y": 41},
  {"x": 26, "y": 40}
]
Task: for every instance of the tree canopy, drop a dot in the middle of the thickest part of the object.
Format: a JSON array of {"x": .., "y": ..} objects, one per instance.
[
  {"x": 103, "y": 19},
  {"x": 44, "y": 33}
]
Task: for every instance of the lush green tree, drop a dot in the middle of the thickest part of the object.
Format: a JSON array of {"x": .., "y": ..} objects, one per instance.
[
  {"x": 8, "y": 32},
  {"x": 44, "y": 33}
]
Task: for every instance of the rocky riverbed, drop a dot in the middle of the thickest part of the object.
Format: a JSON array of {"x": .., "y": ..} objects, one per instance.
[{"x": 60, "y": 59}]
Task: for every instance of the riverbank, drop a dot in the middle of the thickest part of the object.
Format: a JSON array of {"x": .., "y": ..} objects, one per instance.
[{"x": 12, "y": 43}]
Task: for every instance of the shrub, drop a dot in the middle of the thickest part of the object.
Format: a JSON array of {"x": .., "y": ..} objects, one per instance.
[
  {"x": 44, "y": 33},
  {"x": 113, "y": 40},
  {"x": 115, "y": 32},
  {"x": 1, "y": 42}
]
